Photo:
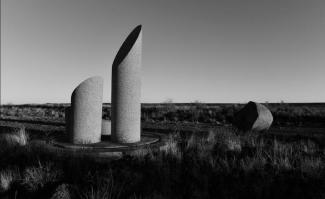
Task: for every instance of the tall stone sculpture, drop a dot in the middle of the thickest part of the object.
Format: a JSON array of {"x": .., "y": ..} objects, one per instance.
[
  {"x": 85, "y": 116},
  {"x": 253, "y": 116},
  {"x": 126, "y": 90}
]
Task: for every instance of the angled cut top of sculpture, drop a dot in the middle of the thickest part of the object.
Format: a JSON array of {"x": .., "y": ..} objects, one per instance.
[
  {"x": 85, "y": 117},
  {"x": 126, "y": 89}
]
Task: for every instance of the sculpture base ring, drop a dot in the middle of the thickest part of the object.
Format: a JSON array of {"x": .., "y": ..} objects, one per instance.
[{"x": 106, "y": 145}]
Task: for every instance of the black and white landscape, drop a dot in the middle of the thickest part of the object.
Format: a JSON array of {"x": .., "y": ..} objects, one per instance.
[{"x": 162, "y": 99}]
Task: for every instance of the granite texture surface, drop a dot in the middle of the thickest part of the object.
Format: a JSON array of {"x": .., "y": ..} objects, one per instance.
[
  {"x": 86, "y": 111},
  {"x": 126, "y": 90}
]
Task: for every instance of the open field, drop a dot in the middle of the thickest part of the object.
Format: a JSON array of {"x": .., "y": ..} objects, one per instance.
[
  {"x": 285, "y": 114},
  {"x": 205, "y": 156}
]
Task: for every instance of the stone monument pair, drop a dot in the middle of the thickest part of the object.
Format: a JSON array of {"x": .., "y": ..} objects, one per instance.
[{"x": 84, "y": 117}]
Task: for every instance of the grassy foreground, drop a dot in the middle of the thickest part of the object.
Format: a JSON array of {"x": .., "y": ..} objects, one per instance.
[{"x": 219, "y": 164}]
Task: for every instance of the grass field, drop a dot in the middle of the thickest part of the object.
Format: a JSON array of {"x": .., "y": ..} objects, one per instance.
[{"x": 202, "y": 159}]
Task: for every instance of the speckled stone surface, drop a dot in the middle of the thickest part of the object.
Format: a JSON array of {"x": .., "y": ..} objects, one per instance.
[
  {"x": 126, "y": 90},
  {"x": 106, "y": 127},
  {"x": 254, "y": 116},
  {"x": 86, "y": 111}
]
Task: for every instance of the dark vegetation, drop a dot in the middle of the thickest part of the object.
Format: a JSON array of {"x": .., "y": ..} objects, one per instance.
[
  {"x": 218, "y": 164},
  {"x": 205, "y": 157}
]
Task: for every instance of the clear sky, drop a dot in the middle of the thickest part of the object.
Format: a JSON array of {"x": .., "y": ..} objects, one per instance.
[{"x": 210, "y": 50}]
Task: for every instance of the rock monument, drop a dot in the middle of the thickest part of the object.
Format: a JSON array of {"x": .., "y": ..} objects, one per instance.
[
  {"x": 126, "y": 90},
  {"x": 253, "y": 116},
  {"x": 85, "y": 115}
]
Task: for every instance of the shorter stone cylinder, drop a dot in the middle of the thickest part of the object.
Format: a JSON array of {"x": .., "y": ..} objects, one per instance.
[{"x": 85, "y": 115}]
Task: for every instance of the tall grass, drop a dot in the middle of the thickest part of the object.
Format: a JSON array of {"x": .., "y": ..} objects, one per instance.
[
  {"x": 36, "y": 177},
  {"x": 101, "y": 188},
  {"x": 13, "y": 137},
  {"x": 7, "y": 178},
  {"x": 218, "y": 164}
]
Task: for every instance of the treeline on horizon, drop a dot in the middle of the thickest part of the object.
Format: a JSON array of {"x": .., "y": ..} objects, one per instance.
[
  {"x": 285, "y": 114},
  {"x": 46, "y": 105}
]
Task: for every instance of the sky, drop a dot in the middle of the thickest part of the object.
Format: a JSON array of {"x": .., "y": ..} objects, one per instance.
[{"x": 213, "y": 51}]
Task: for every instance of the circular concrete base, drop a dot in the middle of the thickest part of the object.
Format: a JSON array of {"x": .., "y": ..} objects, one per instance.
[
  {"x": 106, "y": 145},
  {"x": 103, "y": 151}
]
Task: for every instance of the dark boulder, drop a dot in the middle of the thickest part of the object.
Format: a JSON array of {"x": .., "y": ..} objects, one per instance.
[{"x": 253, "y": 116}]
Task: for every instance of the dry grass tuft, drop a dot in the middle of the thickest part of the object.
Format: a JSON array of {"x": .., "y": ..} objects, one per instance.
[
  {"x": 38, "y": 176},
  {"x": 227, "y": 141},
  {"x": 7, "y": 177},
  {"x": 17, "y": 136},
  {"x": 102, "y": 188},
  {"x": 62, "y": 192},
  {"x": 171, "y": 147},
  {"x": 141, "y": 154},
  {"x": 312, "y": 165}
]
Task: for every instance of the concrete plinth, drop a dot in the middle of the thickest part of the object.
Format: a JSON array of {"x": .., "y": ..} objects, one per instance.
[
  {"x": 126, "y": 90},
  {"x": 148, "y": 139}
]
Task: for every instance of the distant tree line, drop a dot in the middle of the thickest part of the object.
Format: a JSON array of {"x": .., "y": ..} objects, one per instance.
[{"x": 285, "y": 114}]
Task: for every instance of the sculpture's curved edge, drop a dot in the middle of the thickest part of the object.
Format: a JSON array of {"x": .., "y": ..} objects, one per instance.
[
  {"x": 127, "y": 45},
  {"x": 265, "y": 118},
  {"x": 85, "y": 82}
]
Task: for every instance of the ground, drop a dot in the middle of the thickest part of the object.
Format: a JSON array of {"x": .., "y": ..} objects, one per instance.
[{"x": 204, "y": 157}]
